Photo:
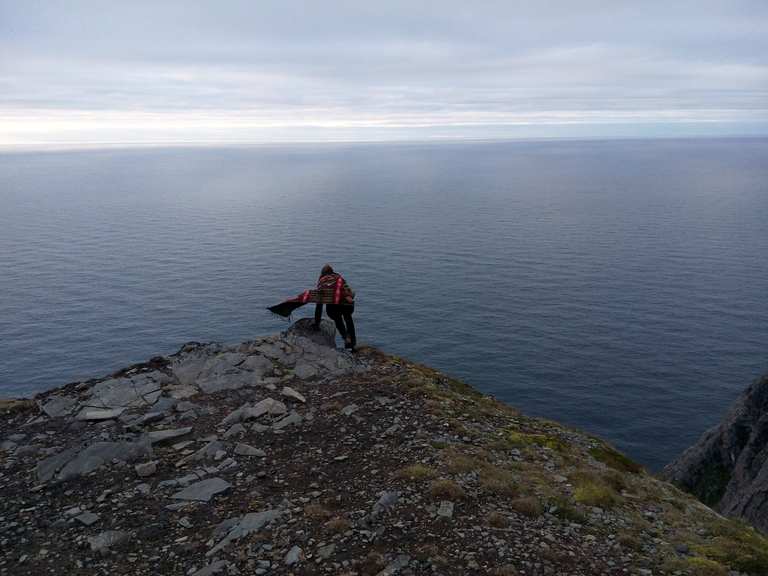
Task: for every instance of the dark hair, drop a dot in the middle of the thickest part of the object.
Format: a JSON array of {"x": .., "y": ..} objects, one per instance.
[{"x": 327, "y": 269}]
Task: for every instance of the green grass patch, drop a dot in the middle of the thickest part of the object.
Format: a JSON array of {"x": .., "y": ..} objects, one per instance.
[
  {"x": 615, "y": 459},
  {"x": 498, "y": 481},
  {"x": 446, "y": 490},
  {"x": 416, "y": 472},
  {"x": 591, "y": 489},
  {"x": 737, "y": 546},
  {"x": 522, "y": 439},
  {"x": 704, "y": 567}
]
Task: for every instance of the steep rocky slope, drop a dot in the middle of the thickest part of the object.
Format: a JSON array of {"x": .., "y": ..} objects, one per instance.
[
  {"x": 728, "y": 467},
  {"x": 283, "y": 455}
]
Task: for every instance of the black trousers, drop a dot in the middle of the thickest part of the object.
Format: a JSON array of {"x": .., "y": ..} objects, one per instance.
[{"x": 341, "y": 314}]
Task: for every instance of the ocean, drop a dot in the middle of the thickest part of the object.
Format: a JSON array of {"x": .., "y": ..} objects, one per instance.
[{"x": 617, "y": 286}]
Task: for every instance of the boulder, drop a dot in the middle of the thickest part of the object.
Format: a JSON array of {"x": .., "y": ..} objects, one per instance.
[{"x": 325, "y": 335}]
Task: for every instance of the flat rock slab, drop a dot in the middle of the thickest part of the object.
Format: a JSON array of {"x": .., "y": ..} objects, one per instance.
[
  {"x": 204, "y": 490},
  {"x": 97, "y": 414},
  {"x": 292, "y": 418},
  {"x": 87, "y": 518},
  {"x": 71, "y": 463},
  {"x": 240, "y": 527},
  {"x": 100, "y": 454},
  {"x": 134, "y": 392},
  {"x": 251, "y": 412},
  {"x": 158, "y": 436},
  {"x": 58, "y": 406},
  {"x": 289, "y": 392},
  {"x": 246, "y": 450}
]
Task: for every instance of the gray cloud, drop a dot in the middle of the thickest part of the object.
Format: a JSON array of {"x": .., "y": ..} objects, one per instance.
[{"x": 95, "y": 71}]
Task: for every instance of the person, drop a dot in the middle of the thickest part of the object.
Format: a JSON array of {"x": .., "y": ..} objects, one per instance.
[{"x": 332, "y": 287}]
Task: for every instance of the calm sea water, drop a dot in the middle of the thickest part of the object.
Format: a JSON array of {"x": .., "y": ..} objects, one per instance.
[{"x": 621, "y": 287}]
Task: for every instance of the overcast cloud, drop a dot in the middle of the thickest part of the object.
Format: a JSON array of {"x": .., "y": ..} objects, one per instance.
[{"x": 85, "y": 72}]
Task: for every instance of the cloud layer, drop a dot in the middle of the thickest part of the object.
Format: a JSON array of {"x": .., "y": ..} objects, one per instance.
[{"x": 85, "y": 72}]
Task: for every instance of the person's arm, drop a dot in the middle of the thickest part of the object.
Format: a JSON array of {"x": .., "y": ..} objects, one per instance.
[{"x": 318, "y": 314}]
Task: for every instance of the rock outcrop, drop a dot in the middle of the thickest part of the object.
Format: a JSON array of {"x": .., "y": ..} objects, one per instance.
[
  {"x": 284, "y": 455},
  {"x": 727, "y": 468}
]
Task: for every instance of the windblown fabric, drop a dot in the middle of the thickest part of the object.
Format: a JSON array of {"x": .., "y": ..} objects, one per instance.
[{"x": 331, "y": 289}]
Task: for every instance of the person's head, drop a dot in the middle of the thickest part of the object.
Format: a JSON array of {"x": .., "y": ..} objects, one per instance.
[{"x": 327, "y": 269}]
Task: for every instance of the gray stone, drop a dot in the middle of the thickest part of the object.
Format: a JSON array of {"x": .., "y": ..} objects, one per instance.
[
  {"x": 276, "y": 408},
  {"x": 213, "y": 568},
  {"x": 204, "y": 490},
  {"x": 289, "y": 392},
  {"x": 181, "y": 392},
  {"x": 305, "y": 370},
  {"x": 99, "y": 454},
  {"x": 396, "y": 565},
  {"x": 135, "y": 392},
  {"x": 290, "y": 419},
  {"x": 304, "y": 328},
  {"x": 251, "y": 412},
  {"x": 325, "y": 552},
  {"x": 207, "y": 452},
  {"x": 293, "y": 556},
  {"x": 235, "y": 430},
  {"x": 386, "y": 501},
  {"x": 159, "y": 436},
  {"x": 146, "y": 469},
  {"x": 185, "y": 406},
  {"x": 96, "y": 414},
  {"x": 214, "y": 368},
  {"x": 58, "y": 406},
  {"x": 236, "y": 529},
  {"x": 188, "y": 363},
  {"x": 246, "y": 450},
  {"x": 106, "y": 540},
  {"x": 257, "y": 364},
  {"x": 87, "y": 518},
  {"x": 8, "y": 446},
  {"x": 445, "y": 510},
  {"x": 350, "y": 409}
]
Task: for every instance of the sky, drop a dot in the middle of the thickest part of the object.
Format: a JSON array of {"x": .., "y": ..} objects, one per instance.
[{"x": 96, "y": 72}]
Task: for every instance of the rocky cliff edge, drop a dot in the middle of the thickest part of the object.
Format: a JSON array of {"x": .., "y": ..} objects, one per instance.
[
  {"x": 283, "y": 455},
  {"x": 728, "y": 467}
]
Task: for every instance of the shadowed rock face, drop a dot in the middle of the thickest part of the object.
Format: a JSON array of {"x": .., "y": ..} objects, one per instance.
[{"x": 727, "y": 468}]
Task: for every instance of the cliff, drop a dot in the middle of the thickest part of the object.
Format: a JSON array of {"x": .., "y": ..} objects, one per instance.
[
  {"x": 283, "y": 455},
  {"x": 728, "y": 467}
]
